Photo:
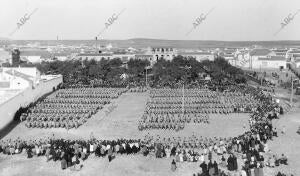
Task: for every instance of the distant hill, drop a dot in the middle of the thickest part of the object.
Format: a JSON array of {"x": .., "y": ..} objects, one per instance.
[
  {"x": 144, "y": 42},
  {"x": 4, "y": 38}
]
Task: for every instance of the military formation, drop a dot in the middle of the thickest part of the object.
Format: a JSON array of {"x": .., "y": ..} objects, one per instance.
[
  {"x": 173, "y": 108},
  {"x": 138, "y": 89},
  {"x": 247, "y": 146},
  {"x": 69, "y": 108}
]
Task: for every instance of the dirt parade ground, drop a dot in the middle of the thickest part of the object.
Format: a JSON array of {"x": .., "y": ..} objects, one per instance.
[{"x": 120, "y": 120}]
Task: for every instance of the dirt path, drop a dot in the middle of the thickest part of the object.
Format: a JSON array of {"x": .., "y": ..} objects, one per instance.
[{"x": 288, "y": 143}]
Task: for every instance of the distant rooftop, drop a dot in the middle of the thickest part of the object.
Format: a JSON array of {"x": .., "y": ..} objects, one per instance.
[
  {"x": 195, "y": 53},
  {"x": 273, "y": 58},
  {"x": 260, "y": 52},
  {"x": 143, "y": 55},
  {"x": 42, "y": 53},
  {"x": 94, "y": 54},
  {"x": 294, "y": 51},
  {"x": 296, "y": 55},
  {"x": 280, "y": 50}
]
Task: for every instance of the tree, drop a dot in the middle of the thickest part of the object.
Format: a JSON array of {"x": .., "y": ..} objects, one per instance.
[
  {"x": 136, "y": 67},
  {"x": 16, "y": 57}
]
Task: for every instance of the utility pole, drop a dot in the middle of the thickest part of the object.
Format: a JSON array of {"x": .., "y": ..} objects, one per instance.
[
  {"x": 261, "y": 80},
  {"x": 146, "y": 78},
  {"x": 292, "y": 88},
  {"x": 96, "y": 38},
  {"x": 186, "y": 68},
  {"x": 183, "y": 99},
  {"x": 147, "y": 67}
]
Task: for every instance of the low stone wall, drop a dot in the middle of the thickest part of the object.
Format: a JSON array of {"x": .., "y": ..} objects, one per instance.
[{"x": 23, "y": 99}]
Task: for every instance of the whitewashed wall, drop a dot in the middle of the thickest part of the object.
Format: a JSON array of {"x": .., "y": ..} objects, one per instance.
[{"x": 29, "y": 95}]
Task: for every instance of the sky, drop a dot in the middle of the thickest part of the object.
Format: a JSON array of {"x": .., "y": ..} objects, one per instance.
[{"x": 229, "y": 20}]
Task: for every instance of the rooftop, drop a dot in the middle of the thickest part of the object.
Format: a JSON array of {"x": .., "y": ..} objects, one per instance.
[
  {"x": 42, "y": 53},
  {"x": 94, "y": 54},
  {"x": 280, "y": 50},
  {"x": 273, "y": 58},
  {"x": 260, "y": 52},
  {"x": 294, "y": 51},
  {"x": 195, "y": 53},
  {"x": 144, "y": 55},
  {"x": 296, "y": 55}
]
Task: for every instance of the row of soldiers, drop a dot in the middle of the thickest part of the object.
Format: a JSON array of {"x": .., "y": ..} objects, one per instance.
[
  {"x": 206, "y": 99},
  {"x": 193, "y": 109},
  {"x": 138, "y": 89},
  {"x": 68, "y": 124},
  {"x": 90, "y": 93},
  {"x": 170, "y": 121},
  {"x": 69, "y": 108},
  {"x": 167, "y": 107}
]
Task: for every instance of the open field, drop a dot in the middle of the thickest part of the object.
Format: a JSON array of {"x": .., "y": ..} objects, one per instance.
[
  {"x": 122, "y": 123},
  {"x": 123, "y": 165}
]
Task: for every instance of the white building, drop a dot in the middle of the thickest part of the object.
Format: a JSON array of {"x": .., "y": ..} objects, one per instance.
[
  {"x": 254, "y": 54},
  {"x": 199, "y": 56},
  {"x": 297, "y": 63},
  {"x": 292, "y": 56},
  {"x": 5, "y": 56},
  {"x": 269, "y": 62},
  {"x": 280, "y": 52},
  {"x": 21, "y": 86},
  {"x": 125, "y": 57},
  {"x": 242, "y": 58},
  {"x": 166, "y": 53},
  {"x": 34, "y": 56},
  {"x": 295, "y": 60},
  {"x": 290, "y": 53},
  {"x": 60, "y": 56},
  {"x": 19, "y": 77},
  {"x": 148, "y": 57},
  {"x": 93, "y": 56},
  {"x": 10, "y": 81}
]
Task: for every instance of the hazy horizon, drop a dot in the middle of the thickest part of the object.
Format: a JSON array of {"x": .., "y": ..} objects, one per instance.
[
  {"x": 230, "y": 20},
  {"x": 153, "y": 39}
]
